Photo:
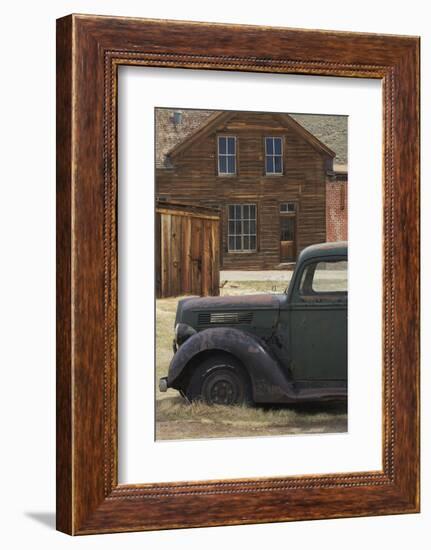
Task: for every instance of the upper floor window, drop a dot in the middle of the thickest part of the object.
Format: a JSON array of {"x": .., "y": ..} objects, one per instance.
[
  {"x": 226, "y": 155},
  {"x": 273, "y": 155}
]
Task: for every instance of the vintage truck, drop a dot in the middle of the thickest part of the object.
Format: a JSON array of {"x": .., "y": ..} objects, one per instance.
[{"x": 267, "y": 348}]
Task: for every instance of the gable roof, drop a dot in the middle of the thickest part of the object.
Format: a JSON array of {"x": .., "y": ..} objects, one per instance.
[
  {"x": 328, "y": 129},
  {"x": 307, "y": 135},
  {"x": 214, "y": 121},
  {"x": 221, "y": 117},
  {"x": 168, "y": 133}
]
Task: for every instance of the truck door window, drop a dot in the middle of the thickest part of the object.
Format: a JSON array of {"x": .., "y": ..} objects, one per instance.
[{"x": 324, "y": 280}]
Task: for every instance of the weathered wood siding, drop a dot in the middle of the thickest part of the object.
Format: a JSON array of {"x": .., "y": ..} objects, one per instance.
[
  {"x": 187, "y": 251},
  {"x": 194, "y": 179}
]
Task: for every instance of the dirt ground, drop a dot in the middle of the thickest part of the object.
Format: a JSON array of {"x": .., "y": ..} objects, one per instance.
[{"x": 176, "y": 419}]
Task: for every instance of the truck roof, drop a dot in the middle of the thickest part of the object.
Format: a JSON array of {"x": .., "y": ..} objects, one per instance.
[{"x": 324, "y": 249}]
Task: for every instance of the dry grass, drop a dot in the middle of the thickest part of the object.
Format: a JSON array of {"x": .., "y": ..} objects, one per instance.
[
  {"x": 176, "y": 419},
  {"x": 179, "y": 420}
]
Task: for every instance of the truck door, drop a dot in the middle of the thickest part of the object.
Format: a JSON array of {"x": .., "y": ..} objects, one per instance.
[{"x": 318, "y": 323}]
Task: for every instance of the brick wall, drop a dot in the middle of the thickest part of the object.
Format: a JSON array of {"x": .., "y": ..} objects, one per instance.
[{"x": 336, "y": 210}]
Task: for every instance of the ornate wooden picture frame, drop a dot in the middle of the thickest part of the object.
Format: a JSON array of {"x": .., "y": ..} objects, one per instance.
[{"x": 89, "y": 51}]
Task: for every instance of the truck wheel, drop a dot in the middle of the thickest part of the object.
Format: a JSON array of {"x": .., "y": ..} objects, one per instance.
[{"x": 219, "y": 381}]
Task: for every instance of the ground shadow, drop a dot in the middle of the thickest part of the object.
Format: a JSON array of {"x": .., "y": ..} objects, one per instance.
[
  {"x": 310, "y": 408},
  {"x": 45, "y": 518}
]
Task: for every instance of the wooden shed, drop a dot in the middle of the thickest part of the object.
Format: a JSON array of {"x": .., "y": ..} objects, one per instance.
[{"x": 187, "y": 250}]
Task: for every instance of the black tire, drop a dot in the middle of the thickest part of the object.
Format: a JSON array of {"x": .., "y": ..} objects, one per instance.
[{"x": 219, "y": 380}]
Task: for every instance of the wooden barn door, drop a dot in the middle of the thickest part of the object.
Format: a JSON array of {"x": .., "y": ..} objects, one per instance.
[
  {"x": 187, "y": 254},
  {"x": 197, "y": 227}
]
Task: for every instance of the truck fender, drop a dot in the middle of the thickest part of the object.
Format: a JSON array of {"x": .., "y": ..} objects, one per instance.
[{"x": 268, "y": 379}]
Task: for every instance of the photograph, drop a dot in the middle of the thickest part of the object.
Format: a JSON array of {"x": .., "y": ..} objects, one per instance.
[
  {"x": 213, "y": 317},
  {"x": 251, "y": 276}
]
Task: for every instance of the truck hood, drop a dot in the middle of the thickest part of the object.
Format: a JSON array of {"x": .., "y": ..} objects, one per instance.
[
  {"x": 232, "y": 303},
  {"x": 252, "y": 312}
]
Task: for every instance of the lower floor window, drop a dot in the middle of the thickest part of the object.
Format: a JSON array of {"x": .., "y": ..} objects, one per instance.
[{"x": 242, "y": 228}]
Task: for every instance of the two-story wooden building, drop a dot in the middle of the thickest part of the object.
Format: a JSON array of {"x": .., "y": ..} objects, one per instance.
[{"x": 265, "y": 172}]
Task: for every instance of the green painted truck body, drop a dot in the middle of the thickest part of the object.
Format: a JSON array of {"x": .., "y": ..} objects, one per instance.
[{"x": 289, "y": 347}]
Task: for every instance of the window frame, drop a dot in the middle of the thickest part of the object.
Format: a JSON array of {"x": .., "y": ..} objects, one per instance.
[
  {"x": 335, "y": 297},
  {"x": 227, "y": 155},
  {"x": 281, "y": 155},
  {"x": 288, "y": 212},
  {"x": 242, "y": 235},
  {"x": 292, "y": 219}
]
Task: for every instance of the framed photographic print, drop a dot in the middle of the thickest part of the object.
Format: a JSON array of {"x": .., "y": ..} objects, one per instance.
[{"x": 237, "y": 274}]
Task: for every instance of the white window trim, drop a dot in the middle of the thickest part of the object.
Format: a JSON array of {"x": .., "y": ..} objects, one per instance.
[
  {"x": 242, "y": 251},
  {"x": 235, "y": 155},
  {"x": 288, "y": 212},
  {"x": 281, "y": 155}
]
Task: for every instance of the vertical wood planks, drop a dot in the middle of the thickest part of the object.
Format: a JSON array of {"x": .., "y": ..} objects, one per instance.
[
  {"x": 176, "y": 253},
  {"x": 165, "y": 243},
  {"x": 157, "y": 255},
  {"x": 186, "y": 280},
  {"x": 196, "y": 256},
  {"x": 187, "y": 250}
]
